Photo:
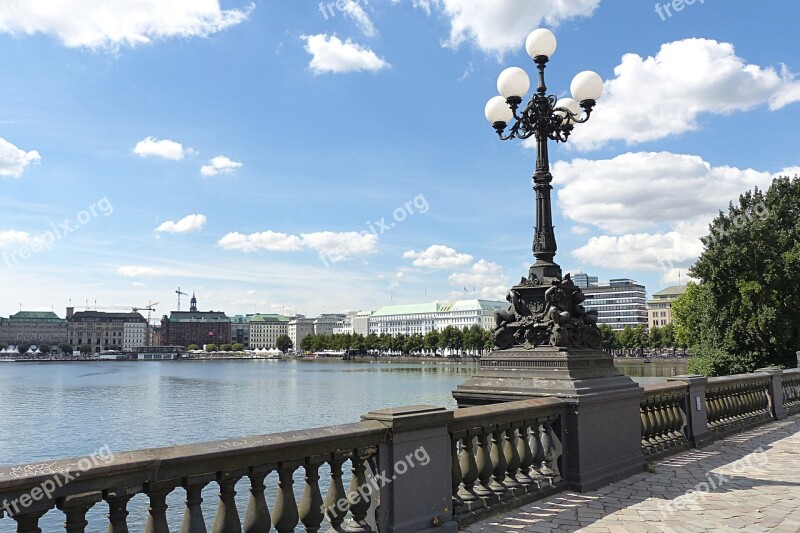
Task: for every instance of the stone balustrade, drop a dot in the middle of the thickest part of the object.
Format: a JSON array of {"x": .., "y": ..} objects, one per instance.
[
  {"x": 664, "y": 418},
  {"x": 504, "y": 455},
  {"x": 410, "y": 469},
  {"x": 737, "y": 401},
  {"x": 791, "y": 390},
  {"x": 190, "y": 468}
]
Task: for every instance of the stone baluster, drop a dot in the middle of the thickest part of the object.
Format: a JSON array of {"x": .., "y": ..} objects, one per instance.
[
  {"x": 525, "y": 456},
  {"x": 257, "y": 518},
  {"x": 483, "y": 461},
  {"x": 193, "y": 521},
  {"x": 336, "y": 505},
  {"x": 455, "y": 472},
  {"x": 652, "y": 420},
  {"x": 469, "y": 469},
  {"x": 549, "y": 466},
  {"x": 117, "y": 501},
  {"x": 28, "y": 522},
  {"x": 498, "y": 462},
  {"x": 359, "y": 492},
  {"x": 661, "y": 422},
  {"x": 285, "y": 513},
  {"x": 677, "y": 417},
  {"x": 157, "y": 510},
  {"x": 538, "y": 456},
  {"x": 75, "y": 508},
  {"x": 512, "y": 458},
  {"x": 310, "y": 511},
  {"x": 227, "y": 517}
]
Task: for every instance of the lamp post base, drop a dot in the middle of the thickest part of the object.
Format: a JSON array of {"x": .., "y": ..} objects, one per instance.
[{"x": 601, "y": 427}]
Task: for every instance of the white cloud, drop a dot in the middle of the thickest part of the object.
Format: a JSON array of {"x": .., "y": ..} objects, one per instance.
[
  {"x": 185, "y": 225},
  {"x": 579, "y": 230},
  {"x": 13, "y": 238},
  {"x": 498, "y": 27},
  {"x": 485, "y": 278},
  {"x": 330, "y": 245},
  {"x": 330, "y": 54},
  {"x": 654, "y": 207},
  {"x": 644, "y": 190},
  {"x": 354, "y": 10},
  {"x": 132, "y": 271},
  {"x": 219, "y": 165},
  {"x": 150, "y": 146},
  {"x": 13, "y": 160},
  {"x": 654, "y": 97},
  {"x": 95, "y": 24},
  {"x": 437, "y": 256}
]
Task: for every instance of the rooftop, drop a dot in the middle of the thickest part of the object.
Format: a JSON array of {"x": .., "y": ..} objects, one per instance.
[
  {"x": 670, "y": 292},
  {"x": 35, "y": 315}
]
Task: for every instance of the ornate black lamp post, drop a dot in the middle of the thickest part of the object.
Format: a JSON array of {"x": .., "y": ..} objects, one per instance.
[
  {"x": 546, "y": 118},
  {"x": 546, "y": 343}
]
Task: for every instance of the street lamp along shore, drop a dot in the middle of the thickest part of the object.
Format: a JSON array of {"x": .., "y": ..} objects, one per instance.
[
  {"x": 547, "y": 344},
  {"x": 554, "y": 315}
]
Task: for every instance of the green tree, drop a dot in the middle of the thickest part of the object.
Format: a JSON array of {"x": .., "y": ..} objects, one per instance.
[
  {"x": 640, "y": 338},
  {"x": 66, "y": 349},
  {"x": 668, "y": 337},
  {"x": 45, "y": 348},
  {"x": 284, "y": 343},
  {"x": 307, "y": 343},
  {"x": 85, "y": 349},
  {"x": 192, "y": 347},
  {"x": 226, "y": 347},
  {"x": 656, "y": 338},
  {"x": 609, "y": 336},
  {"x": 432, "y": 341},
  {"x": 211, "y": 347},
  {"x": 237, "y": 347},
  {"x": 748, "y": 312},
  {"x": 627, "y": 338}
]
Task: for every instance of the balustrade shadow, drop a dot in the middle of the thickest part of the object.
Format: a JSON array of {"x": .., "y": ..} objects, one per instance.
[{"x": 690, "y": 477}]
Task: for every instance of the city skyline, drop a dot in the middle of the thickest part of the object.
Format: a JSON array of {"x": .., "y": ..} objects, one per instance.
[{"x": 136, "y": 159}]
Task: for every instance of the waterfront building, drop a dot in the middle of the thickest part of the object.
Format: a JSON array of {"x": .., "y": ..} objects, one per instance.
[
  {"x": 427, "y": 317},
  {"x": 33, "y": 327},
  {"x": 183, "y": 328},
  {"x": 659, "y": 309},
  {"x": 583, "y": 280},
  {"x": 105, "y": 331},
  {"x": 298, "y": 328},
  {"x": 240, "y": 330},
  {"x": 619, "y": 303},
  {"x": 361, "y": 323},
  {"x": 325, "y": 324},
  {"x": 346, "y": 327},
  {"x": 265, "y": 330}
]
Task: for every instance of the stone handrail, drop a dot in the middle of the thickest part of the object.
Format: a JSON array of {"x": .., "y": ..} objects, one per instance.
[
  {"x": 158, "y": 472},
  {"x": 504, "y": 455},
  {"x": 738, "y": 401},
  {"x": 663, "y": 417},
  {"x": 791, "y": 390}
]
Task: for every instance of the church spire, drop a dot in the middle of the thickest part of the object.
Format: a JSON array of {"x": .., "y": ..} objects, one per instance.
[{"x": 193, "y": 307}]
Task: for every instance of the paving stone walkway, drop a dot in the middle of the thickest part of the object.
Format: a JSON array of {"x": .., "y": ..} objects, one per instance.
[{"x": 747, "y": 482}]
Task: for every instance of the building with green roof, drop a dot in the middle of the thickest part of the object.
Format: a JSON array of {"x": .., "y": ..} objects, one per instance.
[
  {"x": 426, "y": 317},
  {"x": 265, "y": 330},
  {"x": 33, "y": 327},
  {"x": 659, "y": 308}
]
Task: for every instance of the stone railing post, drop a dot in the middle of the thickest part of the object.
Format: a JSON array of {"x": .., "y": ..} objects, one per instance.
[
  {"x": 696, "y": 412},
  {"x": 415, "y": 470},
  {"x": 775, "y": 392}
]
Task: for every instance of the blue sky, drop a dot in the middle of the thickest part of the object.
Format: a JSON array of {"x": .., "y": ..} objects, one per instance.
[{"x": 275, "y": 159}]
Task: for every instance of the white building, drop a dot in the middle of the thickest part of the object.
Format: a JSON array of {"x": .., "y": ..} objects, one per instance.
[
  {"x": 265, "y": 330},
  {"x": 326, "y": 324},
  {"x": 134, "y": 335},
  {"x": 298, "y": 328},
  {"x": 427, "y": 317},
  {"x": 347, "y": 324},
  {"x": 361, "y": 323},
  {"x": 619, "y": 303}
]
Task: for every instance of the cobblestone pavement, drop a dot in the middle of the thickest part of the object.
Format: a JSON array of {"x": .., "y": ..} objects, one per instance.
[{"x": 747, "y": 482}]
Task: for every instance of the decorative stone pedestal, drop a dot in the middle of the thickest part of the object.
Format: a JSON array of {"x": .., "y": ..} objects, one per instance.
[{"x": 602, "y": 428}]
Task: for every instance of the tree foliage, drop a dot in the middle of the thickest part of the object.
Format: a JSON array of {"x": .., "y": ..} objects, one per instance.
[
  {"x": 284, "y": 343},
  {"x": 745, "y": 312}
]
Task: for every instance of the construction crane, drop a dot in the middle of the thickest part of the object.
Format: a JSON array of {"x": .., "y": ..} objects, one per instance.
[
  {"x": 131, "y": 308},
  {"x": 179, "y": 293}
]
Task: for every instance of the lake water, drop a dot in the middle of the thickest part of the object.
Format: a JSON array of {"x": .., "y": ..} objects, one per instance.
[{"x": 59, "y": 410}]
